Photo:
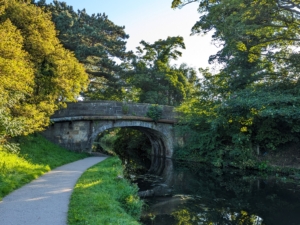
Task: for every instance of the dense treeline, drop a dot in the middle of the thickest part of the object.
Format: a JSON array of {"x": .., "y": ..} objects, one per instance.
[
  {"x": 98, "y": 43},
  {"x": 250, "y": 106}
]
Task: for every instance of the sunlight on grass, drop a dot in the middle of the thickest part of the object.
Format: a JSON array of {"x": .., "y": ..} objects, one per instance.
[
  {"x": 15, "y": 171},
  {"x": 37, "y": 156},
  {"x": 101, "y": 197},
  {"x": 89, "y": 184}
]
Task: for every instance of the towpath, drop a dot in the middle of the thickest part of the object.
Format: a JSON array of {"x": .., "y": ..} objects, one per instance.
[{"x": 45, "y": 200}]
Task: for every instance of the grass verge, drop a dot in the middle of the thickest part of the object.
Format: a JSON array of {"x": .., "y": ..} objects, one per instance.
[
  {"x": 37, "y": 156},
  {"x": 102, "y": 196}
]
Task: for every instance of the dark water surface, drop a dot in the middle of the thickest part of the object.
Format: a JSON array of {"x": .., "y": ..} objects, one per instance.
[{"x": 190, "y": 193}]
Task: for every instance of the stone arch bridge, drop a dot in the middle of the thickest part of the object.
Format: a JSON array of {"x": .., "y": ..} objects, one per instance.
[{"x": 77, "y": 126}]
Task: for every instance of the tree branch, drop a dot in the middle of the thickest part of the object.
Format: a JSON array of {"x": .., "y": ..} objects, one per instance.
[
  {"x": 183, "y": 4},
  {"x": 99, "y": 74},
  {"x": 289, "y": 5}
]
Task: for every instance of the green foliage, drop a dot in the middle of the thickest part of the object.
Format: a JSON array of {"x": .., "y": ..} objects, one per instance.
[
  {"x": 154, "y": 112},
  {"x": 182, "y": 216},
  {"x": 132, "y": 146},
  {"x": 17, "y": 80},
  {"x": 258, "y": 39},
  {"x": 156, "y": 81},
  {"x": 226, "y": 132},
  {"x": 268, "y": 114},
  {"x": 253, "y": 100},
  {"x": 105, "y": 141},
  {"x": 37, "y": 74},
  {"x": 35, "y": 157},
  {"x": 263, "y": 165},
  {"x": 202, "y": 142},
  {"x": 10, "y": 147},
  {"x": 180, "y": 3},
  {"x": 96, "y": 42},
  {"x": 130, "y": 142},
  {"x": 102, "y": 196},
  {"x": 125, "y": 108}
]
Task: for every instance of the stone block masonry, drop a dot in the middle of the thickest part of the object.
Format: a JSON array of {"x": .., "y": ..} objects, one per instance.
[
  {"x": 111, "y": 108},
  {"x": 77, "y": 126}
]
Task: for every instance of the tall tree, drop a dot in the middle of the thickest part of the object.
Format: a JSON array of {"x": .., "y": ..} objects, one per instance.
[
  {"x": 97, "y": 42},
  {"x": 157, "y": 81},
  {"x": 259, "y": 39},
  {"x": 252, "y": 101},
  {"x": 17, "y": 80},
  {"x": 37, "y": 74}
]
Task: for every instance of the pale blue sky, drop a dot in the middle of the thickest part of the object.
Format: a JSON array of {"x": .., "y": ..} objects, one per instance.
[{"x": 151, "y": 20}]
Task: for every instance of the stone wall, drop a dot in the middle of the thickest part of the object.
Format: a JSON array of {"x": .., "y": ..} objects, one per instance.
[{"x": 110, "y": 108}]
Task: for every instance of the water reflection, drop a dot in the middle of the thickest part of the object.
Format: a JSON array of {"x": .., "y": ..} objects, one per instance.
[{"x": 184, "y": 194}]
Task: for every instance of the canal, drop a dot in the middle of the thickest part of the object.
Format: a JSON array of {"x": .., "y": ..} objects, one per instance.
[{"x": 191, "y": 193}]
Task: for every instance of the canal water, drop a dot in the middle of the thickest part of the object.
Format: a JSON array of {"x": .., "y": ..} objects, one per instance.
[{"x": 177, "y": 193}]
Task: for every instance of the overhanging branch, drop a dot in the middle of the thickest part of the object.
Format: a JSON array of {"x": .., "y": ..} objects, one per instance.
[{"x": 290, "y": 5}]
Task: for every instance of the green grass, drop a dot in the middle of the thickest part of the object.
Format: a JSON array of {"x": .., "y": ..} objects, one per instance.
[
  {"x": 102, "y": 197},
  {"x": 37, "y": 156}
]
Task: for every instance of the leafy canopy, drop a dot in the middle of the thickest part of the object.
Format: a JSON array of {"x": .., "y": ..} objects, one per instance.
[
  {"x": 155, "y": 79},
  {"x": 97, "y": 43},
  {"x": 252, "y": 101},
  {"x": 38, "y": 75}
]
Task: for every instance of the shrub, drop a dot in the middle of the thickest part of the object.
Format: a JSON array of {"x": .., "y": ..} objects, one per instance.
[{"x": 154, "y": 112}]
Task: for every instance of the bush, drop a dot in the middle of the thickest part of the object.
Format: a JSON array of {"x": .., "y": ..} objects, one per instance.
[{"x": 154, "y": 112}]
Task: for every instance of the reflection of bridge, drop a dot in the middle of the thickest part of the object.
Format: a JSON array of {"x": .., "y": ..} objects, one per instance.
[{"x": 77, "y": 126}]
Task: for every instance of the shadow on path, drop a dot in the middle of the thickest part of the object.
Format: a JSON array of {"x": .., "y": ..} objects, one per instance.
[{"x": 45, "y": 200}]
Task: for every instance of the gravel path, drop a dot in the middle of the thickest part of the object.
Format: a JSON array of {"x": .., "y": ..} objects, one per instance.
[{"x": 45, "y": 200}]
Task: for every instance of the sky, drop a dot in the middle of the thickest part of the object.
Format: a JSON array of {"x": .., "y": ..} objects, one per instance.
[{"x": 151, "y": 20}]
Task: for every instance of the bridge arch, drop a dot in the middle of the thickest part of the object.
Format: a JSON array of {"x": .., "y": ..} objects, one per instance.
[
  {"x": 77, "y": 126},
  {"x": 160, "y": 135}
]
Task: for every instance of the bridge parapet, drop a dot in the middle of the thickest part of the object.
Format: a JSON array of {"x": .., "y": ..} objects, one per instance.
[{"x": 89, "y": 109}]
